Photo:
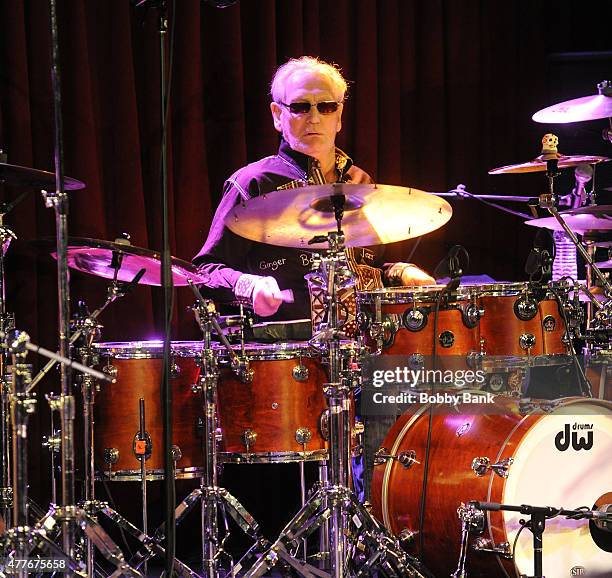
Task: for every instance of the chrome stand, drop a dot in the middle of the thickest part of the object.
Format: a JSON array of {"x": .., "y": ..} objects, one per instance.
[
  {"x": 21, "y": 539},
  {"x": 214, "y": 500},
  {"x": 353, "y": 532}
]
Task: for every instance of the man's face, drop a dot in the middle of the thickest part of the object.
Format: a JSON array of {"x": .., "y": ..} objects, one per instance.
[{"x": 311, "y": 133}]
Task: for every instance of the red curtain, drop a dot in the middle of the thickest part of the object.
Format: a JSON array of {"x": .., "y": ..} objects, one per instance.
[{"x": 441, "y": 91}]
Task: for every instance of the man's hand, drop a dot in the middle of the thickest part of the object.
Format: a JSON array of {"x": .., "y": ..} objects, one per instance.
[
  {"x": 406, "y": 275},
  {"x": 267, "y": 296}
]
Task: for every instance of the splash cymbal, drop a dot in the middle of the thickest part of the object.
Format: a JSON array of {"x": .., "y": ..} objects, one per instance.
[
  {"x": 579, "y": 109},
  {"x": 584, "y": 220},
  {"x": 373, "y": 214},
  {"x": 539, "y": 164}
]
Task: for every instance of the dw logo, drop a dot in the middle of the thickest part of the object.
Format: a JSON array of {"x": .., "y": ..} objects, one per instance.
[
  {"x": 563, "y": 438},
  {"x": 577, "y": 571}
]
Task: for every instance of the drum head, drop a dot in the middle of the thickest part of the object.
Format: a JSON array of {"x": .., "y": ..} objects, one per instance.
[{"x": 563, "y": 461}]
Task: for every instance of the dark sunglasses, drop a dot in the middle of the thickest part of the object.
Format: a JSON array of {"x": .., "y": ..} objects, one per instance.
[{"x": 325, "y": 107}]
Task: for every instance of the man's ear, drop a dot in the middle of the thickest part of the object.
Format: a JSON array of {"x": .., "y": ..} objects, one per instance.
[{"x": 276, "y": 114}]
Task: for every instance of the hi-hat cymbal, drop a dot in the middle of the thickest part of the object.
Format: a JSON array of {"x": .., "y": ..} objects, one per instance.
[
  {"x": 596, "y": 218},
  {"x": 539, "y": 164},
  {"x": 579, "y": 109},
  {"x": 27, "y": 177},
  {"x": 373, "y": 214},
  {"x": 95, "y": 256}
]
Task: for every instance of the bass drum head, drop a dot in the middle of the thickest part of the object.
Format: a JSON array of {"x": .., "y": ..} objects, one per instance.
[
  {"x": 547, "y": 473},
  {"x": 555, "y": 453}
]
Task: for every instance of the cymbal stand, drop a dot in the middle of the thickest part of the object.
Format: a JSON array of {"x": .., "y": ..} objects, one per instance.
[
  {"x": 7, "y": 323},
  {"x": 212, "y": 498},
  {"x": 20, "y": 539},
  {"x": 352, "y": 529}
]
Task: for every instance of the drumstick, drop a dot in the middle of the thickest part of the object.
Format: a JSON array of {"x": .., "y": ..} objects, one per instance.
[{"x": 286, "y": 295}]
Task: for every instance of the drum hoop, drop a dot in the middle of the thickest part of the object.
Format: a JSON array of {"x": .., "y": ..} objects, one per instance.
[
  {"x": 147, "y": 349},
  {"x": 429, "y": 293}
]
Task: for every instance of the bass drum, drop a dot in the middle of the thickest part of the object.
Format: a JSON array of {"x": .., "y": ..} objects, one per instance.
[{"x": 554, "y": 455}]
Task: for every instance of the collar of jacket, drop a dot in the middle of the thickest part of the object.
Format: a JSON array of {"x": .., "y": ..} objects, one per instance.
[{"x": 343, "y": 161}]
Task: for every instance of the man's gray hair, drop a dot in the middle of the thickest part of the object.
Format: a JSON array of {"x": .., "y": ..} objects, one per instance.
[{"x": 307, "y": 64}]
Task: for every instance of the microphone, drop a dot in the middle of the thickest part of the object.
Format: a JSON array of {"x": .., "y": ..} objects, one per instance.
[
  {"x": 583, "y": 174},
  {"x": 540, "y": 259},
  {"x": 451, "y": 266},
  {"x": 124, "y": 288}
]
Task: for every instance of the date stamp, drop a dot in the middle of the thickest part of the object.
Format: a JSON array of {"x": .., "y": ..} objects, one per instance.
[{"x": 35, "y": 564}]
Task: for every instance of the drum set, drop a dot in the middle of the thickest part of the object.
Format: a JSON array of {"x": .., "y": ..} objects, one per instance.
[{"x": 454, "y": 484}]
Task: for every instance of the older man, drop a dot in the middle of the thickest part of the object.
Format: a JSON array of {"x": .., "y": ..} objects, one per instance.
[{"x": 307, "y": 103}]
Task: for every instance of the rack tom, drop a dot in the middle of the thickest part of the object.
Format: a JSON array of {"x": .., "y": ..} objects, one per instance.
[
  {"x": 276, "y": 412},
  {"x": 137, "y": 368}
]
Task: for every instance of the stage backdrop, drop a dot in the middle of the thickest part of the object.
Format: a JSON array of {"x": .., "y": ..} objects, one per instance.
[{"x": 440, "y": 92}]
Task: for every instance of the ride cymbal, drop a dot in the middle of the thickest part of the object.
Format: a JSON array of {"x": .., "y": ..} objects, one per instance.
[
  {"x": 373, "y": 214},
  {"x": 98, "y": 258},
  {"x": 539, "y": 164},
  {"x": 27, "y": 177}
]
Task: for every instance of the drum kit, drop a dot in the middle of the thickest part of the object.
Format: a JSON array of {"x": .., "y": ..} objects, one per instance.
[{"x": 454, "y": 480}]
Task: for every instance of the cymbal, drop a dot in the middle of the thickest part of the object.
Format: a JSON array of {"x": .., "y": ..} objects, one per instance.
[
  {"x": 94, "y": 256},
  {"x": 373, "y": 215},
  {"x": 539, "y": 164},
  {"x": 582, "y": 220},
  {"x": 579, "y": 109},
  {"x": 27, "y": 177}
]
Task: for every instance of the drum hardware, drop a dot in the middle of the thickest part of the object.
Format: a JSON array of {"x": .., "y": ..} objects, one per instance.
[
  {"x": 213, "y": 498},
  {"x": 20, "y": 537},
  {"x": 406, "y": 458},
  {"x": 472, "y": 520},
  {"x": 597, "y": 106},
  {"x": 537, "y": 524},
  {"x": 334, "y": 501},
  {"x": 483, "y": 465}
]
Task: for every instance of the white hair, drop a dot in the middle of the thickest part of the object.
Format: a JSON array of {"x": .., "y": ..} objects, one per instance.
[{"x": 308, "y": 64}]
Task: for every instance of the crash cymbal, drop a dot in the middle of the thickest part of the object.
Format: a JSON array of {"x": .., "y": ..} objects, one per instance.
[
  {"x": 592, "y": 219},
  {"x": 373, "y": 215},
  {"x": 539, "y": 164},
  {"x": 579, "y": 109},
  {"x": 94, "y": 256},
  {"x": 27, "y": 177}
]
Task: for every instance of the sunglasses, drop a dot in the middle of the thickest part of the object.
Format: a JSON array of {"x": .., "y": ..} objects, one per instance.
[{"x": 325, "y": 107}]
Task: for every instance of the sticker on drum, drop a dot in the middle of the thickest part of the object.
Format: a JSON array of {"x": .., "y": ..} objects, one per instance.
[
  {"x": 273, "y": 412},
  {"x": 137, "y": 368},
  {"x": 541, "y": 455}
]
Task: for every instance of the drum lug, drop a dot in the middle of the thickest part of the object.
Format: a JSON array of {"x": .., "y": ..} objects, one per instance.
[
  {"x": 525, "y": 308},
  {"x": 415, "y": 319},
  {"x": 110, "y": 370},
  {"x": 485, "y": 545},
  {"x": 302, "y": 436},
  {"x": 406, "y": 459},
  {"x": 111, "y": 456},
  {"x": 527, "y": 341},
  {"x": 176, "y": 453},
  {"x": 482, "y": 465},
  {"x": 248, "y": 438},
  {"x": 474, "y": 359},
  {"x": 175, "y": 370},
  {"x": 389, "y": 328},
  {"x": 471, "y": 315},
  {"x": 300, "y": 373},
  {"x": 471, "y": 517}
]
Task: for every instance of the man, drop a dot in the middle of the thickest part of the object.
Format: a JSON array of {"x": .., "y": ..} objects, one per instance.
[{"x": 307, "y": 103}]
